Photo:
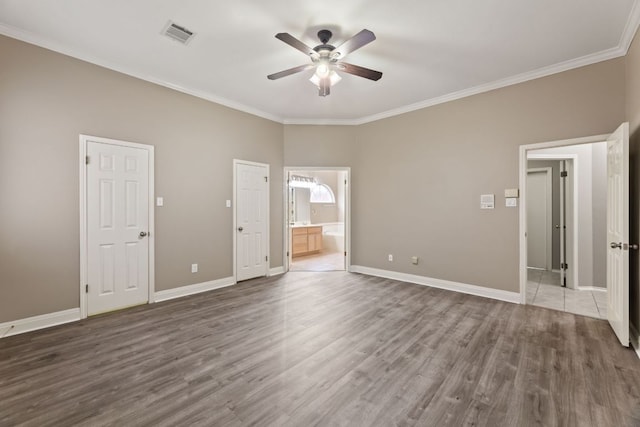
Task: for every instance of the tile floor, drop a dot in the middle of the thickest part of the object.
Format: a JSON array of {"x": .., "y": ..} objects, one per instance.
[
  {"x": 544, "y": 290},
  {"x": 333, "y": 261}
]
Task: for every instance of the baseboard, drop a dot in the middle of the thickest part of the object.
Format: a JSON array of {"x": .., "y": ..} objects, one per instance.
[
  {"x": 42, "y": 321},
  {"x": 592, "y": 288},
  {"x": 634, "y": 337},
  {"x": 276, "y": 271},
  {"x": 464, "y": 288},
  {"x": 183, "y": 291}
]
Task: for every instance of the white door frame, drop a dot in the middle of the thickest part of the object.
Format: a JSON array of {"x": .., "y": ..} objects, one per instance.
[
  {"x": 234, "y": 203},
  {"x": 549, "y": 212},
  {"x": 347, "y": 214},
  {"x": 573, "y": 263},
  {"x": 522, "y": 162},
  {"x": 84, "y": 235}
]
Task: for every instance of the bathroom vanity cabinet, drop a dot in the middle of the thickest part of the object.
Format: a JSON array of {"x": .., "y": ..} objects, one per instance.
[{"x": 306, "y": 240}]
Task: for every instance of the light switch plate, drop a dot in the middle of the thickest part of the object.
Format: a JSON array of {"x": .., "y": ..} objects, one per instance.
[
  {"x": 160, "y": 201},
  {"x": 228, "y": 204},
  {"x": 511, "y": 192},
  {"x": 511, "y": 202}
]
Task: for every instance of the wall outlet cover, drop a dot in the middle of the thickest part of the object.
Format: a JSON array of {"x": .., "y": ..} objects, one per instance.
[
  {"x": 194, "y": 268},
  {"x": 511, "y": 202}
]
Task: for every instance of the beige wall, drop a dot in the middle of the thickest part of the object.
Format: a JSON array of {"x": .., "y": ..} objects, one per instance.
[
  {"x": 417, "y": 178},
  {"x": 46, "y": 101},
  {"x": 633, "y": 116}
]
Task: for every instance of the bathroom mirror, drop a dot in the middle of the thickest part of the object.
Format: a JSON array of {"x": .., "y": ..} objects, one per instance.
[{"x": 300, "y": 209}]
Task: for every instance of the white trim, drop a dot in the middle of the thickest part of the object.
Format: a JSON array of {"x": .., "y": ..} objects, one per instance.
[
  {"x": 347, "y": 208},
  {"x": 234, "y": 202},
  {"x": 611, "y": 53},
  {"x": 592, "y": 288},
  {"x": 549, "y": 214},
  {"x": 275, "y": 271},
  {"x": 464, "y": 288},
  {"x": 42, "y": 321},
  {"x": 34, "y": 39},
  {"x": 634, "y": 338},
  {"x": 560, "y": 67},
  {"x": 83, "y": 141},
  {"x": 630, "y": 28},
  {"x": 522, "y": 216},
  {"x": 197, "y": 288}
]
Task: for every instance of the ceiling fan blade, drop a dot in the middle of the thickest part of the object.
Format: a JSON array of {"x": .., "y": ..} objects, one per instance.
[
  {"x": 359, "y": 71},
  {"x": 290, "y": 71},
  {"x": 356, "y": 42},
  {"x": 295, "y": 43}
]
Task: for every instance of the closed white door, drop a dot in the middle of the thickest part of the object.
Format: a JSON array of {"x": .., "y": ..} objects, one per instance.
[
  {"x": 539, "y": 218},
  {"x": 618, "y": 232},
  {"x": 117, "y": 227},
  {"x": 251, "y": 220}
]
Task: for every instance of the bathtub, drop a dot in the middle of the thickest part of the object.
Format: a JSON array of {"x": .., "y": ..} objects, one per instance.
[{"x": 332, "y": 237}]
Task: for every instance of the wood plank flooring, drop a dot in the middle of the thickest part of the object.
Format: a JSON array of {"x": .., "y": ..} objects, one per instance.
[{"x": 322, "y": 349}]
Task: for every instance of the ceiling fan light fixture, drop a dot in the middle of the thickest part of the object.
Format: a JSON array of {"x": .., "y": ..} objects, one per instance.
[{"x": 333, "y": 78}]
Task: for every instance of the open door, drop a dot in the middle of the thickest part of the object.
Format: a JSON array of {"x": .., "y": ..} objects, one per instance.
[
  {"x": 567, "y": 224},
  {"x": 618, "y": 232}
]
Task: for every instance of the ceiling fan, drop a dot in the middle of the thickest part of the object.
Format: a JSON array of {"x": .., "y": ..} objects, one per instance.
[{"x": 326, "y": 59}]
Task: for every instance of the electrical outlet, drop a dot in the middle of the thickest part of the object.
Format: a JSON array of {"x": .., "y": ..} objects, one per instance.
[
  {"x": 414, "y": 260},
  {"x": 228, "y": 203},
  {"x": 194, "y": 268},
  {"x": 390, "y": 257}
]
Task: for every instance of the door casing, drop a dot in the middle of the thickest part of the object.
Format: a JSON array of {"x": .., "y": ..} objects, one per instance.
[
  {"x": 84, "y": 141},
  {"x": 347, "y": 217},
  {"x": 523, "y": 152}
]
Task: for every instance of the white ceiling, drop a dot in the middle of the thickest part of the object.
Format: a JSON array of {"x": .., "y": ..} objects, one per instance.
[{"x": 430, "y": 51}]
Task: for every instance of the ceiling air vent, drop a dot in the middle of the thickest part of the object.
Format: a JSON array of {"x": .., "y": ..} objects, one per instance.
[{"x": 178, "y": 33}]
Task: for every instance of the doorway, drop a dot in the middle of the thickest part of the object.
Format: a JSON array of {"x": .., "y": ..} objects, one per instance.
[
  {"x": 317, "y": 221},
  {"x": 116, "y": 224},
  {"x": 600, "y": 198}
]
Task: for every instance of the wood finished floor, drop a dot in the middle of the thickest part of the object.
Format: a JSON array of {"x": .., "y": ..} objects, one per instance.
[{"x": 332, "y": 349}]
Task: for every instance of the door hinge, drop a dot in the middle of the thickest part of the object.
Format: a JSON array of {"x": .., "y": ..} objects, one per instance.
[
  {"x": 266, "y": 258},
  {"x": 563, "y": 174},
  {"x": 86, "y": 160},
  {"x": 345, "y": 253},
  {"x": 345, "y": 182},
  {"x": 564, "y": 282},
  {"x": 287, "y": 253},
  {"x": 86, "y": 289},
  {"x": 564, "y": 266},
  {"x": 266, "y": 179}
]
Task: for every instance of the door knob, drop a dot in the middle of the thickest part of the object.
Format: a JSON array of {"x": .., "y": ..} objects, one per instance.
[
  {"x": 240, "y": 228},
  {"x": 557, "y": 226},
  {"x": 633, "y": 246},
  {"x": 615, "y": 245},
  {"x": 143, "y": 233}
]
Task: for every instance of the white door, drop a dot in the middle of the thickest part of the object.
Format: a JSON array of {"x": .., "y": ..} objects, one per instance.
[
  {"x": 539, "y": 218},
  {"x": 618, "y": 232},
  {"x": 251, "y": 220},
  {"x": 117, "y": 227}
]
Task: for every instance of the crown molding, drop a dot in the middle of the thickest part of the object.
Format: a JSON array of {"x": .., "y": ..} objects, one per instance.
[
  {"x": 626, "y": 39},
  {"x": 34, "y": 39}
]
